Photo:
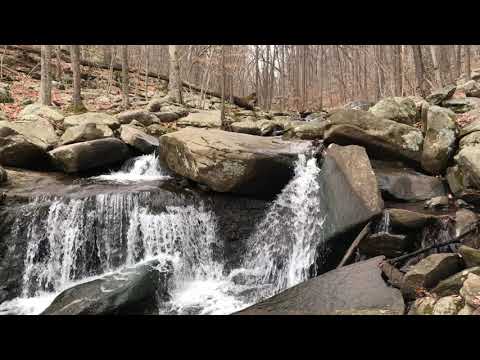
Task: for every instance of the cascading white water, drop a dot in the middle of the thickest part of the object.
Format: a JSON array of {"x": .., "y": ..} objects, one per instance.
[
  {"x": 383, "y": 225},
  {"x": 142, "y": 168},
  {"x": 71, "y": 239},
  {"x": 283, "y": 247}
]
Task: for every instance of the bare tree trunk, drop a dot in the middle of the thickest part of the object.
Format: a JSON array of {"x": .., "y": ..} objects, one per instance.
[
  {"x": 46, "y": 81},
  {"x": 146, "y": 70},
  {"x": 397, "y": 57},
  {"x": 458, "y": 62},
  {"x": 468, "y": 70},
  {"x": 107, "y": 54},
  {"x": 436, "y": 65},
  {"x": 174, "y": 84},
  {"x": 419, "y": 70},
  {"x": 77, "y": 105},
  {"x": 125, "y": 87}
]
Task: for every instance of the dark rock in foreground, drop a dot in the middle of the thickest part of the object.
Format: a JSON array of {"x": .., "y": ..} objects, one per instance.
[
  {"x": 357, "y": 289},
  {"x": 131, "y": 291}
]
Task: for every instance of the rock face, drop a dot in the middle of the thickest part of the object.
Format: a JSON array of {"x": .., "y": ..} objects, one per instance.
[
  {"x": 402, "y": 110},
  {"x": 357, "y": 289},
  {"x": 202, "y": 119},
  {"x": 3, "y": 175},
  {"x": 231, "y": 162},
  {"x": 382, "y": 138},
  {"x": 407, "y": 185},
  {"x": 429, "y": 271},
  {"x": 85, "y": 132},
  {"x": 470, "y": 256},
  {"x": 350, "y": 191},
  {"x": 89, "y": 155},
  {"x": 439, "y": 142},
  {"x": 18, "y": 151},
  {"x": 471, "y": 290},
  {"x": 453, "y": 284},
  {"x": 92, "y": 117},
  {"x": 438, "y": 96},
  {"x": 142, "y": 142},
  {"x": 131, "y": 291},
  {"x": 144, "y": 117},
  {"x": 39, "y": 132}
]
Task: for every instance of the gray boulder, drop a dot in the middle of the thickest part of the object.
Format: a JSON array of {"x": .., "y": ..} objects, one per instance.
[
  {"x": 382, "y": 138},
  {"x": 470, "y": 256},
  {"x": 439, "y": 142},
  {"x": 144, "y": 117},
  {"x": 37, "y": 111},
  {"x": 427, "y": 273},
  {"x": 18, "y": 151},
  {"x": 85, "y": 132},
  {"x": 201, "y": 119},
  {"x": 138, "y": 139},
  {"x": 39, "y": 132},
  {"x": 89, "y": 155},
  {"x": 357, "y": 289},
  {"x": 448, "y": 305},
  {"x": 231, "y": 162},
  {"x": 438, "y": 96},
  {"x": 402, "y": 110},
  {"x": 131, "y": 291},
  {"x": 384, "y": 243},
  {"x": 462, "y": 105},
  {"x": 472, "y": 88},
  {"x": 92, "y": 117},
  {"x": 470, "y": 290},
  {"x": 453, "y": 284}
]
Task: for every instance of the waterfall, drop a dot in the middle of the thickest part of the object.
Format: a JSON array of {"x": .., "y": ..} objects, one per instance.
[
  {"x": 70, "y": 239},
  {"x": 383, "y": 225},
  {"x": 283, "y": 247}
]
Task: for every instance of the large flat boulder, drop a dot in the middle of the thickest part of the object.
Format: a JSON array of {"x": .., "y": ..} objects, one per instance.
[
  {"x": 85, "y": 132},
  {"x": 37, "y": 111},
  {"x": 202, "y": 119},
  {"x": 92, "y": 117},
  {"x": 130, "y": 291},
  {"x": 89, "y": 155},
  {"x": 144, "y": 117},
  {"x": 40, "y": 132},
  {"x": 462, "y": 105},
  {"x": 350, "y": 195},
  {"x": 357, "y": 289},
  {"x": 138, "y": 139},
  {"x": 382, "y": 138},
  {"x": 408, "y": 185},
  {"x": 231, "y": 162},
  {"x": 439, "y": 143}
]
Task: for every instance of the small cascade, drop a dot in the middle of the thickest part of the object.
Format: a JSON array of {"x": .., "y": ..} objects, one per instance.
[
  {"x": 383, "y": 225},
  {"x": 142, "y": 168},
  {"x": 283, "y": 247}
]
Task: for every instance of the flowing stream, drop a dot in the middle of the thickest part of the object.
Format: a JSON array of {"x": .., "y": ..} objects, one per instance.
[{"x": 74, "y": 239}]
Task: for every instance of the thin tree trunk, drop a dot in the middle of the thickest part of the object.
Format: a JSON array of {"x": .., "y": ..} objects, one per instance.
[
  {"x": 468, "y": 70},
  {"x": 45, "y": 81},
  {"x": 458, "y": 62},
  {"x": 77, "y": 105},
  {"x": 146, "y": 70},
  {"x": 419, "y": 70},
  {"x": 174, "y": 84},
  {"x": 434, "y": 49},
  {"x": 222, "y": 117},
  {"x": 125, "y": 87}
]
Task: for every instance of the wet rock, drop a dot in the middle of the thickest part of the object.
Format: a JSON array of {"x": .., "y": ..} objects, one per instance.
[
  {"x": 231, "y": 162},
  {"x": 408, "y": 185},
  {"x": 472, "y": 88},
  {"x": 470, "y": 290},
  {"x": 382, "y": 138},
  {"x": 18, "y": 151},
  {"x": 453, "y": 284},
  {"x": 470, "y": 256},
  {"x": 402, "y": 110},
  {"x": 429, "y": 272},
  {"x": 89, "y": 155},
  {"x": 138, "y": 139},
  {"x": 383, "y": 243},
  {"x": 92, "y": 117},
  {"x": 408, "y": 220},
  {"x": 357, "y": 289},
  {"x": 85, "y": 132},
  {"x": 448, "y": 305},
  {"x": 462, "y": 105},
  {"x": 424, "y": 306},
  {"x": 350, "y": 193},
  {"x": 131, "y": 291},
  {"x": 144, "y": 117},
  {"x": 438, "y": 96},
  {"x": 439, "y": 142},
  {"x": 39, "y": 132}
]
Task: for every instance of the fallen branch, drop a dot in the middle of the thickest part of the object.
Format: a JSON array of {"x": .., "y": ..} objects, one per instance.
[
  {"x": 421, "y": 251},
  {"x": 364, "y": 233}
]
